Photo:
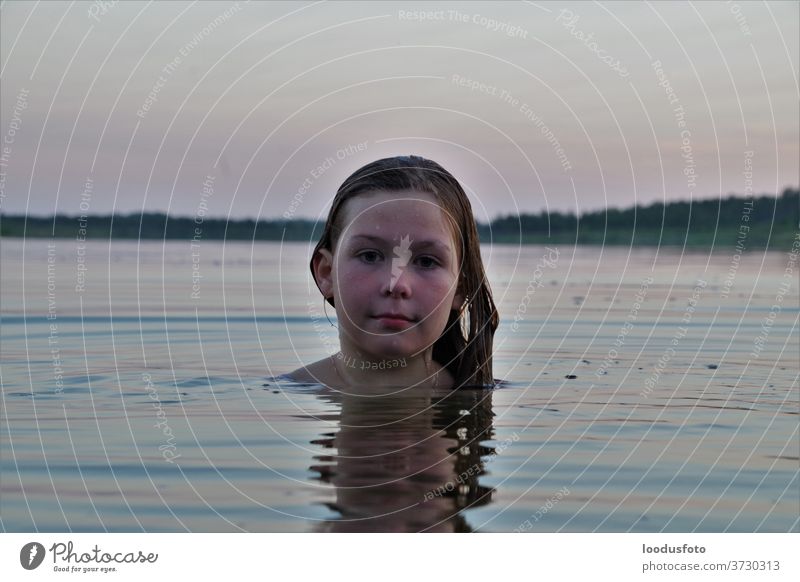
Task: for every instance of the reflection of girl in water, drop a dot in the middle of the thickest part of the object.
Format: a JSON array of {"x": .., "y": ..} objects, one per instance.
[
  {"x": 399, "y": 260},
  {"x": 406, "y": 461}
]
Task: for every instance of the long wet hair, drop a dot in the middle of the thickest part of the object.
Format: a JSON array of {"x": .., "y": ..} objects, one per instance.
[{"x": 465, "y": 346}]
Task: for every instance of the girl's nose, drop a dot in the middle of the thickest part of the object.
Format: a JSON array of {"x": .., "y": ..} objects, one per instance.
[{"x": 397, "y": 284}]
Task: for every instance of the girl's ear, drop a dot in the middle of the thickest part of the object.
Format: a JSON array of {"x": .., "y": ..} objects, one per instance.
[
  {"x": 323, "y": 272},
  {"x": 458, "y": 298}
]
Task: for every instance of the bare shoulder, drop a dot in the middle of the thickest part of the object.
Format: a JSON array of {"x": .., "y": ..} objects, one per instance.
[{"x": 320, "y": 372}]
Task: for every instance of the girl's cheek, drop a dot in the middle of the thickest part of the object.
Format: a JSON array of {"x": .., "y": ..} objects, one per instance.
[
  {"x": 357, "y": 277},
  {"x": 440, "y": 282},
  {"x": 363, "y": 272},
  {"x": 350, "y": 268}
]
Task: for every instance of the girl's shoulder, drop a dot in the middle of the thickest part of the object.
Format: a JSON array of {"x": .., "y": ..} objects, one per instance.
[{"x": 320, "y": 372}]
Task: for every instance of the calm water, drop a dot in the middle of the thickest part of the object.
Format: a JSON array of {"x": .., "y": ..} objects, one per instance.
[{"x": 648, "y": 390}]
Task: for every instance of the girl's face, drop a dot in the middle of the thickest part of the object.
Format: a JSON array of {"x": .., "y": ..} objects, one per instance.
[{"x": 394, "y": 273}]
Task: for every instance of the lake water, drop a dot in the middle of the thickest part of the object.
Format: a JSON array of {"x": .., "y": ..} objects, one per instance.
[{"x": 647, "y": 390}]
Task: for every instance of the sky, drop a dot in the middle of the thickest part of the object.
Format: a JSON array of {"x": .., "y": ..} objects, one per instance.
[{"x": 262, "y": 109}]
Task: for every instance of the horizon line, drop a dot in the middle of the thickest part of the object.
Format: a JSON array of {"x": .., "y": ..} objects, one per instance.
[{"x": 281, "y": 218}]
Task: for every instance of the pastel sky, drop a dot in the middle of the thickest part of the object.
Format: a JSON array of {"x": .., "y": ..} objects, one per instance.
[{"x": 564, "y": 106}]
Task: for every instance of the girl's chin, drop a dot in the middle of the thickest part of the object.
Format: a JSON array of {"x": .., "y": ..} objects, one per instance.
[
  {"x": 377, "y": 347},
  {"x": 385, "y": 344}
]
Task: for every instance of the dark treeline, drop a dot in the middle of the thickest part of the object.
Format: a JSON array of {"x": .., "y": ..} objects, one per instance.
[
  {"x": 750, "y": 222},
  {"x": 747, "y": 222}
]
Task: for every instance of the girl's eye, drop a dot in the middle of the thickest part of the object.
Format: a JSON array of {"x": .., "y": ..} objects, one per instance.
[
  {"x": 370, "y": 257},
  {"x": 427, "y": 262}
]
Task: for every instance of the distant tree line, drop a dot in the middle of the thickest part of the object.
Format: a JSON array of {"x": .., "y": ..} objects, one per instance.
[{"x": 753, "y": 223}]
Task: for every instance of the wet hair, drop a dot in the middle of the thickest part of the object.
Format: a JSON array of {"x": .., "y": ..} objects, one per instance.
[{"x": 465, "y": 346}]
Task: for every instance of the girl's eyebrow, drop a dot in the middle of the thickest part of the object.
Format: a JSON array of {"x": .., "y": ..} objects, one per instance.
[{"x": 418, "y": 244}]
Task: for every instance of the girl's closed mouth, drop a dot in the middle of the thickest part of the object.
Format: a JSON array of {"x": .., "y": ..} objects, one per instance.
[
  {"x": 390, "y": 317},
  {"x": 394, "y": 320}
]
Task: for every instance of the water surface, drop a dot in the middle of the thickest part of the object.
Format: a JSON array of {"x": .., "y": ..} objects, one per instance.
[{"x": 646, "y": 390}]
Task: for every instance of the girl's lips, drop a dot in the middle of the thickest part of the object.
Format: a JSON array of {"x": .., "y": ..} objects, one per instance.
[
  {"x": 393, "y": 316},
  {"x": 394, "y": 321}
]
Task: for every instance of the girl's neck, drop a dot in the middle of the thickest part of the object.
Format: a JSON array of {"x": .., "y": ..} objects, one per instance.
[{"x": 355, "y": 370}]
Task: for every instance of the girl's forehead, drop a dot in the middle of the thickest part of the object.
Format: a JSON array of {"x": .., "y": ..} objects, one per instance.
[{"x": 405, "y": 212}]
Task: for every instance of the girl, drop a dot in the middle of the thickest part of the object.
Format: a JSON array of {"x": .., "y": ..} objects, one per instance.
[{"x": 400, "y": 262}]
